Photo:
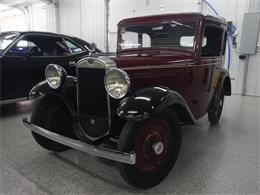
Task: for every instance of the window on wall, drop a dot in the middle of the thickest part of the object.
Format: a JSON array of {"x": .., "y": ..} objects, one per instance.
[{"x": 212, "y": 41}]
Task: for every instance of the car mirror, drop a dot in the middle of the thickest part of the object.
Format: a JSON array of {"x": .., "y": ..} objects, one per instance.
[{"x": 187, "y": 41}]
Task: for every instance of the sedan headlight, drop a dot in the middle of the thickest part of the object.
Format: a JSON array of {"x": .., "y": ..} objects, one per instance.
[
  {"x": 117, "y": 83},
  {"x": 55, "y": 75}
]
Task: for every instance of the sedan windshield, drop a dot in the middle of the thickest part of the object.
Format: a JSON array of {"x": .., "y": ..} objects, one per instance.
[
  {"x": 6, "y": 39},
  {"x": 169, "y": 34}
]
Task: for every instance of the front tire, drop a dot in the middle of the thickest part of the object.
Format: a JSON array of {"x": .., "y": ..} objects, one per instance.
[
  {"x": 52, "y": 114},
  {"x": 156, "y": 143}
]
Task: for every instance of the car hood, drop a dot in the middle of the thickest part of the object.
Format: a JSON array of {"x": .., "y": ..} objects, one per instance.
[{"x": 133, "y": 59}]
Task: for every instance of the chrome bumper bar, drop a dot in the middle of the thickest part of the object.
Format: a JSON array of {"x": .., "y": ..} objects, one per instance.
[{"x": 128, "y": 158}]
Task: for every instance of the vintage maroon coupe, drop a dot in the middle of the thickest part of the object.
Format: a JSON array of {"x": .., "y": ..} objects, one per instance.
[{"x": 167, "y": 72}]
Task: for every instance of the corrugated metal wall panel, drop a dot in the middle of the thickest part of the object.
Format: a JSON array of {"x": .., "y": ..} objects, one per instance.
[
  {"x": 84, "y": 19},
  {"x": 42, "y": 17},
  {"x": 93, "y": 22},
  {"x": 69, "y": 17}
]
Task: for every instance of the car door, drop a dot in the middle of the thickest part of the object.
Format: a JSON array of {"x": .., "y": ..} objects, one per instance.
[
  {"x": 210, "y": 65},
  {"x": 15, "y": 71},
  {"x": 24, "y": 64},
  {"x": 57, "y": 50}
]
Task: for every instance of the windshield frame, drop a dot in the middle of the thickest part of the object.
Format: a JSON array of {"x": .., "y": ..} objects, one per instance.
[
  {"x": 180, "y": 21},
  {"x": 4, "y": 34}
]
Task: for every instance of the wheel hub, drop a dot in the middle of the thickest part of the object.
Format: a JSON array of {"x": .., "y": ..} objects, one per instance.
[{"x": 158, "y": 148}]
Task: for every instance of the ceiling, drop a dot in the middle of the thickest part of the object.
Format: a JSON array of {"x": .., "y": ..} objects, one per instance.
[{"x": 21, "y": 3}]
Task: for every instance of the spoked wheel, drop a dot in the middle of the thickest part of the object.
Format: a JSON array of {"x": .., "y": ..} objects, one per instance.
[
  {"x": 156, "y": 143},
  {"x": 215, "y": 114}
]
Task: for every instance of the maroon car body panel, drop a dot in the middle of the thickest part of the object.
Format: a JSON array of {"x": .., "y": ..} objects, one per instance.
[{"x": 191, "y": 75}]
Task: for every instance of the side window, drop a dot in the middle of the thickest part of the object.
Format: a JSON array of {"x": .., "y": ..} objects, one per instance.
[
  {"x": 129, "y": 40},
  {"x": 135, "y": 40},
  {"x": 24, "y": 47},
  {"x": 146, "y": 40},
  {"x": 212, "y": 41},
  {"x": 72, "y": 47}
]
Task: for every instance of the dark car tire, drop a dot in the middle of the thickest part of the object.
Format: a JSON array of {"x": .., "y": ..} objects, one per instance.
[
  {"x": 150, "y": 168},
  {"x": 215, "y": 114},
  {"x": 52, "y": 114}
]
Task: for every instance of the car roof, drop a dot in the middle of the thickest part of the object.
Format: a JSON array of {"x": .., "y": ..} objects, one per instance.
[
  {"x": 173, "y": 16},
  {"x": 41, "y": 33}
]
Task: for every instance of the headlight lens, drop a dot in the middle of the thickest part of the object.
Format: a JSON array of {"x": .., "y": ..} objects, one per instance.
[
  {"x": 55, "y": 75},
  {"x": 117, "y": 83}
]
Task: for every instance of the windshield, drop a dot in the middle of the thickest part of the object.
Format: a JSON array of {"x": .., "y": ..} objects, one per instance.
[
  {"x": 170, "y": 34},
  {"x": 6, "y": 39}
]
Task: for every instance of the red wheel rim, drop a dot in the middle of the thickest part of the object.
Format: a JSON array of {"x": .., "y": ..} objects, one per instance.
[{"x": 154, "y": 131}]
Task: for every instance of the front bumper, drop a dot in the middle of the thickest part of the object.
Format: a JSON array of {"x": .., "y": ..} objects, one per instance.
[{"x": 128, "y": 158}]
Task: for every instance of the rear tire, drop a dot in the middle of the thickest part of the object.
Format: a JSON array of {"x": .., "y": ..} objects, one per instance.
[
  {"x": 215, "y": 114},
  {"x": 152, "y": 164},
  {"x": 52, "y": 114}
]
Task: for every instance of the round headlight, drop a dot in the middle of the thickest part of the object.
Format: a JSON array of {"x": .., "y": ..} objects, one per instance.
[
  {"x": 117, "y": 83},
  {"x": 55, "y": 75}
]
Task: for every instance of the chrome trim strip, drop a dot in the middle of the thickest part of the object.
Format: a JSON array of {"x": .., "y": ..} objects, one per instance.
[
  {"x": 97, "y": 63},
  {"x": 168, "y": 66},
  {"x": 108, "y": 103},
  {"x": 128, "y": 158},
  {"x": 13, "y": 101}
]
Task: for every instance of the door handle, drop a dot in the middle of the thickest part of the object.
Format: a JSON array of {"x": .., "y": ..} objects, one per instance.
[{"x": 72, "y": 63}]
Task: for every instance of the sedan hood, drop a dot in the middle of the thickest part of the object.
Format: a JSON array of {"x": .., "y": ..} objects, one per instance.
[{"x": 151, "y": 58}]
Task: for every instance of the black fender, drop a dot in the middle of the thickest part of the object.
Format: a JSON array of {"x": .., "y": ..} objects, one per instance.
[
  {"x": 149, "y": 102},
  {"x": 67, "y": 92},
  {"x": 225, "y": 82}
]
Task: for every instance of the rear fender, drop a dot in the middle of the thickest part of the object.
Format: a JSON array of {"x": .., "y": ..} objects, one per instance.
[{"x": 225, "y": 82}]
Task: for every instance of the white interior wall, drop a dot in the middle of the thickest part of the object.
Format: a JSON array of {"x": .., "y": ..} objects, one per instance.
[
  {"x": 42, "y": 17},
  {"x": 12, "y": 20},
  {"x": 37, "y": 17},
  {"x": 82, "y": 18}
]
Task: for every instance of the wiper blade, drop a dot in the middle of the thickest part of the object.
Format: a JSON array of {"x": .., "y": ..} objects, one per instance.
[{"x": 179, "y": 24}]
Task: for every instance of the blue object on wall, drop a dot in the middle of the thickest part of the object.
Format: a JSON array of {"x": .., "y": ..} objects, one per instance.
[{"x": 229, "y": 35}]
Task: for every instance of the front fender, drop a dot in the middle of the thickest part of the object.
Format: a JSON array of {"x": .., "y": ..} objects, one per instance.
[
  {"x": 150, "y": 101},
  {"x": 67, "y": 92}
]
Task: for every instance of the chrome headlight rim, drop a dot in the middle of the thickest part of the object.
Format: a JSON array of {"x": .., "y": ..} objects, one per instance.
[
  {"x": 61, "y": 72},
  {"x": 126, "y": 78}
]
